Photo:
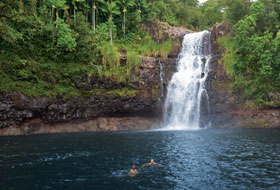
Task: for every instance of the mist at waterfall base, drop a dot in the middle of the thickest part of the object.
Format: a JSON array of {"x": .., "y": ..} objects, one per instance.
[
  {"x": 186, "y": 91},
  {"x": 197, "y": 160}
]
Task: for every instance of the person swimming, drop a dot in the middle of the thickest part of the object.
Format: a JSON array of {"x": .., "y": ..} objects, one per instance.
[
  {"x": 133, "y": 171},
  {"x": 152, "y": 162}
]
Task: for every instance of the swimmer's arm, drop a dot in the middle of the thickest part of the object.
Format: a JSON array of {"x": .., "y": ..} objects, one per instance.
[
  {"x": 144, "y": 165},
  {"x": 159, "y": 165}
]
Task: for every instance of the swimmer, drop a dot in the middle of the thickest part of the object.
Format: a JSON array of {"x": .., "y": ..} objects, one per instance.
[
  {"x": 133, "y": 171},
  {"x": 152, "y": 162}
]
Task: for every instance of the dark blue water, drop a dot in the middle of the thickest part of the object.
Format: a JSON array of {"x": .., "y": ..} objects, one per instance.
[{"x": 207, "y": 159}]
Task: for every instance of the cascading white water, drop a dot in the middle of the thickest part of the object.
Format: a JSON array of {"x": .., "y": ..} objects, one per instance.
[
  {"x": 161, "y": 75},
  {"x": 186, "y": 89}
]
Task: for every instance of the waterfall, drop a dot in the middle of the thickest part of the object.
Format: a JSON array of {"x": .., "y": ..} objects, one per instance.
[
  {"x": 186, "y": 90},
  {"x": 161, "y": 75}
]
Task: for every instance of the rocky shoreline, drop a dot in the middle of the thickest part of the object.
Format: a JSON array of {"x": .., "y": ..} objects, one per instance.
[{"x": 38, "y": 126}]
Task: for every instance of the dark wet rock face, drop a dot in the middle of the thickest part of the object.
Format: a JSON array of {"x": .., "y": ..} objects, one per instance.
[
  {"x": 218, "y": 95},
  {"x": 19, "y": 108}
]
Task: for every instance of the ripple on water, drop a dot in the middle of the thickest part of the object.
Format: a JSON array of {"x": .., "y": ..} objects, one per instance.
[{"x": 206, "y": 159}]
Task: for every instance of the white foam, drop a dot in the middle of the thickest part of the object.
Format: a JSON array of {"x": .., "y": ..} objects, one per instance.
[{"x": 187, "y": 86}]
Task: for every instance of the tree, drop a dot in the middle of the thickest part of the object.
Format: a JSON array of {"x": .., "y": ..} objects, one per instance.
[
  {"x": 57, "y": 5},
  {"x": 94, "y": 9},
  {"x": 65, "y": 38},
  {"x": 75, "y": 8},
  {"x": 191, "y": 3},
  {"x": 93, "y": 15},
  {"x": 141, "y": 5},
  {"x": 111, "y": 9},
  {"x": 10, "y": 13},
  {"x": 124, "y": 5},
  {"x": 161, "y": 11},
  {"x": 253, "y": 54},
  {"x": 235, "y": 10},
  {"x": 212, "y": 13}
]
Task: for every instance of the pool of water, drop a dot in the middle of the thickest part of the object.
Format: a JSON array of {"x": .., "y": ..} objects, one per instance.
[{"x": 204, "y": 159}]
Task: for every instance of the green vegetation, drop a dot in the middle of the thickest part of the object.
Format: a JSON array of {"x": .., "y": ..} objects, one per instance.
[
  {"x": 252, "y": 56},
  {"x": 56, "y": 47},
  {"x": 48, "y": 46}
]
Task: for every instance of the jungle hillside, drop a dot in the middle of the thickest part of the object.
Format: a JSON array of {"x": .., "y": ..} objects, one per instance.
[{"x": 47, "y": 45}]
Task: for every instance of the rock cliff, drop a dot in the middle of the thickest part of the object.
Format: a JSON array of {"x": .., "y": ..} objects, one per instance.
[{"x": 18, "y": 110}]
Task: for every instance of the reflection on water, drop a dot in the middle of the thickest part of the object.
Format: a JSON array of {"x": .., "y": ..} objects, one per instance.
[{"x": 206, "y": 159}]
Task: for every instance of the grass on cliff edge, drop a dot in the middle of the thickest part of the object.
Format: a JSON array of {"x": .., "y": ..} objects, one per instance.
[
  {"x": 52, "y": 80},
  {"x": 41, "y": 76}
]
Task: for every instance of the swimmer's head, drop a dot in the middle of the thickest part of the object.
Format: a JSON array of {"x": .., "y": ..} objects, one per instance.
[
  {"x": 133, "y": 167},
  {"x": 152, "y": 161}
]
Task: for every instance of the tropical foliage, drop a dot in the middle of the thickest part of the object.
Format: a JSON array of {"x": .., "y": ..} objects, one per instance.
[
  {"x": 252, "y": 52},
  {"x": 46, "y": 46}
]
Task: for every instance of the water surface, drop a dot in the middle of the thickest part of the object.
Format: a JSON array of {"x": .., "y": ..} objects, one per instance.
[{"x": 205, "y": 159}]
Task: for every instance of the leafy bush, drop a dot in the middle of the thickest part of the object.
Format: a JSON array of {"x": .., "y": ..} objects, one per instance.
[
  {"x": 132, "y": 64},
  {"x": 252, "y": 55},
  {"x": 65, "y": 38}
]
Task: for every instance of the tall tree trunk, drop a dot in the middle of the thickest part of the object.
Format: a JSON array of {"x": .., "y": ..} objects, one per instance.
[
  {"x": 111, "y": 22},
  {"x": 66, "y": 13},
  {"x": 111, "y": 30},
  {"x": 96, "y": 15},
  {"x": 75, "y": 15},
  {"x": 57, "y": 16},
  {"x": 93, "y": 18},
  {"x": 52, "y": 12},
  {"x": 124, "y": 24}
]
